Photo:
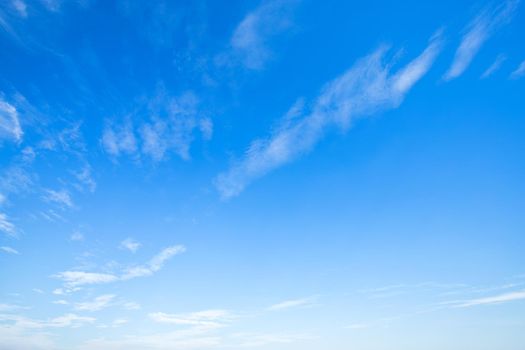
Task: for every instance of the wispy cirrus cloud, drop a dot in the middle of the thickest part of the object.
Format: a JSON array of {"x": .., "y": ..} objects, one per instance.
[
  {"x": 295, "y": 303},
  {"x": 154, "y": 265},
  {"x": 250, "y": 40},
  {"x": 169, "y": 126},
  {"x": 6, "y": 225},
  {"x": 60, "y": 197},
  {"x": 496, "y": 299},
  {"x": 518, "y": 72},
  {"x": 67, "y": 320},
  {"x": 368, "y": 87},
  {"x": 9, "y": 122},
  {"x": 99, "y": 303},
  {"x": 477, "y": 33},
  {"x": 79, "y": 278},
  {"x": 9, "y": 250},
  {"x": 201, "y": 319},
  {"x": 75, "y": 279},
  {"x": 494, "y": 66}
]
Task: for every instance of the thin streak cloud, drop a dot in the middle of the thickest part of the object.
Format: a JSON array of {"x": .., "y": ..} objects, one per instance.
[
  {"x": 477, "y": 33},
  {"x": 367, "y": 88}
]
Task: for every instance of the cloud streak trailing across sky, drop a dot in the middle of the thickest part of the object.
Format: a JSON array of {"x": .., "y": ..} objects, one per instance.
[
  {"x": 497, "y": 299},
  {"x": 477, "y": 33},
  {"x": 74, "y": 279},
  {"x": 368, "y": 87}
]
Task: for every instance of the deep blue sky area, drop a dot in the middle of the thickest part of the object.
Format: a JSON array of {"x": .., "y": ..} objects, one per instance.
[{"x": 274, "y": 175}]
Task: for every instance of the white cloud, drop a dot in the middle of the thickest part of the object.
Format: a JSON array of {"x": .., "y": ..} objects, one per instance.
[
  {"x": 61, "y": 302},
  {"x": 9, "y": 250},
  {"x": 79, "y": 278},
  {"x": 206, "y": 128},
  {"x": 498, "y": 299},
  {"x": 519, "y": 72},
  {"x": 77, "y": 236},
  {"x": 478, "y": 32},
  {"x": 61, "y": 197},
  {"x": 119, "y": 140},
  {"x": 9, "y": 122},
  {"x": 250, "y": 39},
  {"x": 155, "y": 264},
  {"x": 67, "y": 320},
  {"x": 119, "y": 322},
  {"x": 99, "y": 303},
  {"x": 494, "y": 66},
  {"x": 130, "y": 244},
  {"x": 202, "y": 319},
  {"x": 20, "y": 6},
  {"x": 368, "y": 87},
  {"x": 169, "y": 127},
  {"x": 73, "y": 279},
  {"x": 38, "y": 290},
  {"x": 85, "y": 179},
  {"x": 290, "y": 304},
  {"x": 131, "y": 305},
  {"x": 7, "y": 226}
]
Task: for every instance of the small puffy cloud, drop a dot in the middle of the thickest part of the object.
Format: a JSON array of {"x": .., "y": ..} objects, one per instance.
[
  {"x": 85, "y": 179},
  {"x": 9, "y": 250},
  {"x": 206, "y": 128},
  {"x": 9, "y": 122},
  {"x": 99, "y": 303},
  {"x": 20, "y": 7},
  {"x": 61, "y": 302},
  {"x": 77, "y": 236},
  {"x": 119, "y": 140},
  {"x": 168, "y": 127},
  {"x": 130, "y": 244}
]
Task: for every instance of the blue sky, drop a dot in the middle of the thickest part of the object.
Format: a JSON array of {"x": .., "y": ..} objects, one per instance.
[{"x": 275, "y": 174}]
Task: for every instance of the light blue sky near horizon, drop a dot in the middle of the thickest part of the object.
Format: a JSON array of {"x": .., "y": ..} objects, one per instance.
[{"x": 275, "y": 174}]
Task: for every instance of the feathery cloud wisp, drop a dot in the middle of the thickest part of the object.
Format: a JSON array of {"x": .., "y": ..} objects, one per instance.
[
  {"x": 7, "y": 226},
  {"x": 368, "y": 87},
  {"x": 519, "y": 72},
  {"x": 249, "y": 41},
  {"x": 290, "y": 304},
  {"x": 494, "y": 66},
  {"x": 498, "y": 299},
  {"x": 9, "y": 250},
  {"x": 478, "y": 32},
  {"x": 73, "y": 279},
  {"x": 155, "y": 264},
  {"x": 99, "y": 303},
  {"x": 61, "y": 197},
  {"x": 9, "y": 123}
]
